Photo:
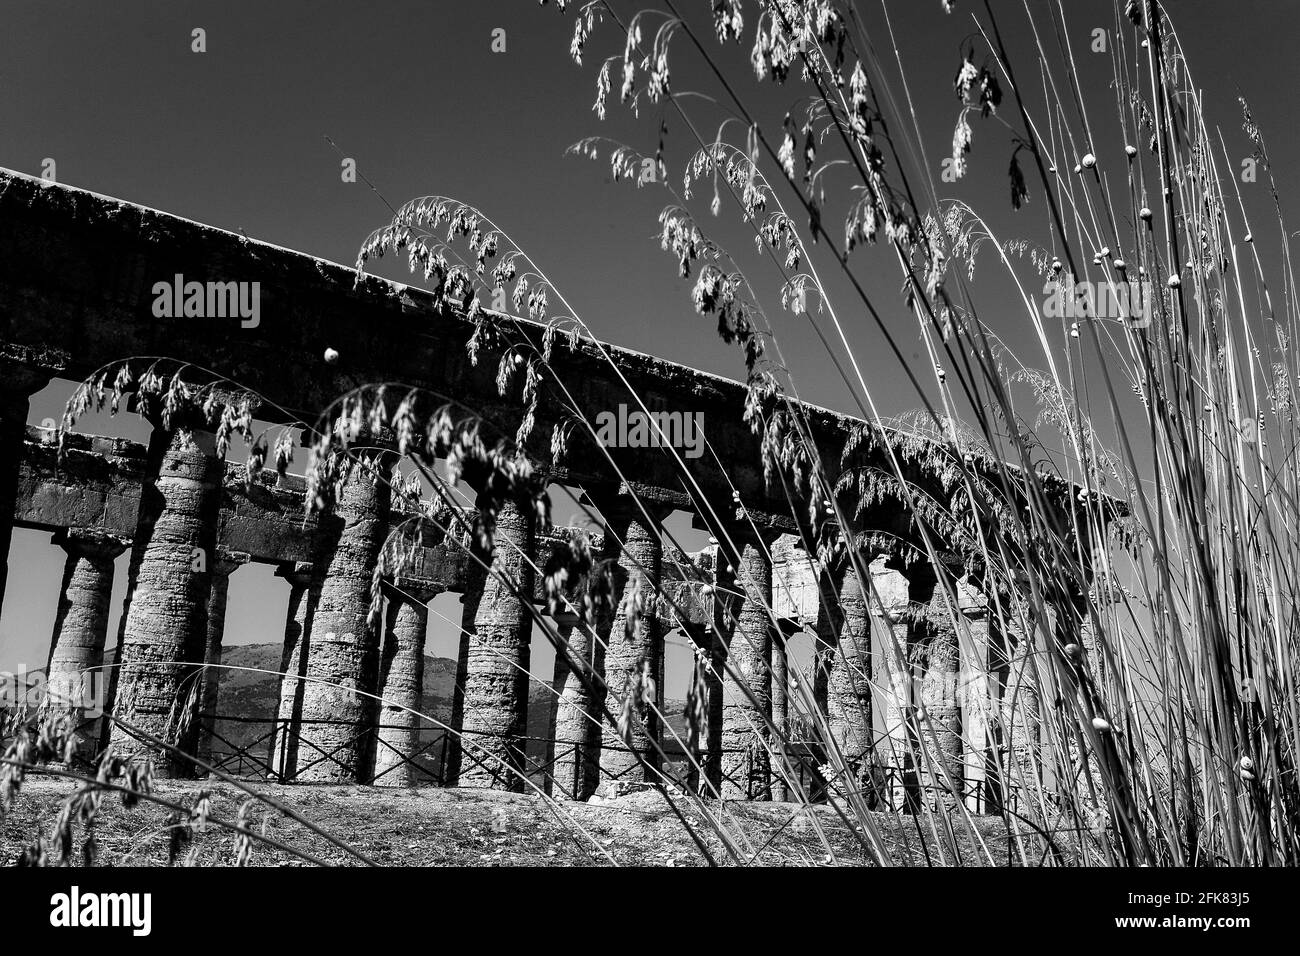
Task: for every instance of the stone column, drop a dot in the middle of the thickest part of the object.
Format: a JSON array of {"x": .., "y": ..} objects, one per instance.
[
  {"x": 475, "y": 578},
  {"x": 849, "y": 681},
  {"x": 336, "y": 742},
  {"x": 401, "y": 682},
  {"x": 975, "y": 693},
  {"x": 209, "y": 691},
  {"x": 165, "y": 628},
  {"x": 746, "y": 765},
  {"x": 779, "y": 665},
  {"x": 1099, "y": 599},
  {"x": 304, "y": 591},
  {"x": 717, "y": 636},
  {"x": 18, "y": 382},
  {"x": 75, "y": 680},
  {"x": 580, "y": 683},
  {"x": 939, "y": 721},
  {"x": 555, "y": 781},
  {"x": 888, "y": 609},
  {"x": 1020, "y": 718},
  {"x": 496, "y": 678},
  {"x": 635, "y": 642},
  {"x": 830, "y": 618},
  {"x": 1093, "y": 795}
]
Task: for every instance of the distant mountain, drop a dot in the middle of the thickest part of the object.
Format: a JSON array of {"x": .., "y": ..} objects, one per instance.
[
  {"x": 252, "y": 695},
  {"x": 248, "y": 694}
]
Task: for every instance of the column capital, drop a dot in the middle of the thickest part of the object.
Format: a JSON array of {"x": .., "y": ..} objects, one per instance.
[
  {"x": 199, "y": 410},
  {"x": 628, "y": 503},
  {"x": 226, "y": 562},
  {"x": 410, "y": 589},
  {"x": 971, "y": 599},
  {"x": 298, "y": 573},
  {"x": 890, "y": 590},
  {"x": 627, "y": 494},
  {"x": 735, "y": 538},
  {"x": 25, "y": 370},
  {"x": 91, "y": 543}
]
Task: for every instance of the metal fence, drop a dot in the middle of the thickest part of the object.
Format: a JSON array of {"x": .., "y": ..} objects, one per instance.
[
  {"x": 559, "y": 769},
  {"x": 260, "y": 754}
]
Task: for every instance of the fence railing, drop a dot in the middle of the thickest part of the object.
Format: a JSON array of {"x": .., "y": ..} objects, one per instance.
[
  {"x": 554, "y": 764},
  {"x": 559, "y": 769}
]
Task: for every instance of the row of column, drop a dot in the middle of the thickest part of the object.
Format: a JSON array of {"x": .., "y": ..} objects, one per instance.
[
  {"x": 960, "y": 703},
  {"x": 339, "y": 662}
]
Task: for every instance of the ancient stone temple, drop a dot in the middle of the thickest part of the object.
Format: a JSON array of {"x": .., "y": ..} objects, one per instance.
[{"x": 923, "y": 697}]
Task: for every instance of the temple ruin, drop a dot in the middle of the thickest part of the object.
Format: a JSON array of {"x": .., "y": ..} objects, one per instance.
[{"x": 76, "y": 277}]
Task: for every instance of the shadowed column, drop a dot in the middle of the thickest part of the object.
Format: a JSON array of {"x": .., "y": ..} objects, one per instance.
[
  {"x": 304, "y": 592},
  {"x": 496, "y": 677},
  {"x": 780, "y": 713},
  {"x": 475, "y": 578},
  {"x": 849, "y": 679},
  {"x": 1020, "y": 717},
  {"x": 554, "y": 744},
  {"x": 888, "y": 609},
  {"x": 1101, "y": 596},
  {"x": 165, "y": 629},
  {"x": 974, "y": 692},
  {"x": 747, "y": 690},
  {"x": 225, "y": 564},
  {"x": 80, "y": 628},
  {"x": 401, "y": 682},
  {"x": 338, "y": 713},
  {"x": 578, "y": 712},
  {"x": 725, "y": 604},
  {"x": 830, "y": 619},
  {"x": 939, "y": 719},
  {"x": 635, "y": 650},
  {"x": 1092, "y": 687}
]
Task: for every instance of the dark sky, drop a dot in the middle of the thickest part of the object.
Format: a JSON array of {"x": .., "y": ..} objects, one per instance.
[{"x": 235, "y": 137}]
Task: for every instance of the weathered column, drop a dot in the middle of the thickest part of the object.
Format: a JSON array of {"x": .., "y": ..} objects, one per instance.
[
  {"x": 336, "y": 742},
  {"x": 724, "y": 604},
  {"x": 304, "y": 592},
  {"x": 496, "y": 678},
  {"x": 830, "y": 619},
  {"x": 888, "y": 609},
  {"x": 1092, "y": 661},
  {"x": 747, "y": 692},
  {"x": 75, "y": 680},
  {"x": 939, "y": 719},
  {"x": 165, "y": 629},
  {"x": 578, "y": 715},
  {"x": 401, "y": 682},
  {"x": 560, "y": 749},
  {"x": 633, "y": 539},
  {"x": 1099, "y": 599},
  {"x": 18, "y": 382},
  {"x": 779, "y": 663},
  {"x": 475, "y": 578},
  {"x": 1020, "y": 718},
  {"x": 849, "y": 681},
  {"x": 222, "y": 567},
  {"x": 975, "y": 693},
  {"x": 715, "y": 648}
]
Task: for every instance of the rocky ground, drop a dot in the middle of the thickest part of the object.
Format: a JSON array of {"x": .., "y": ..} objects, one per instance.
[{"x": 468, "y": 827}]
